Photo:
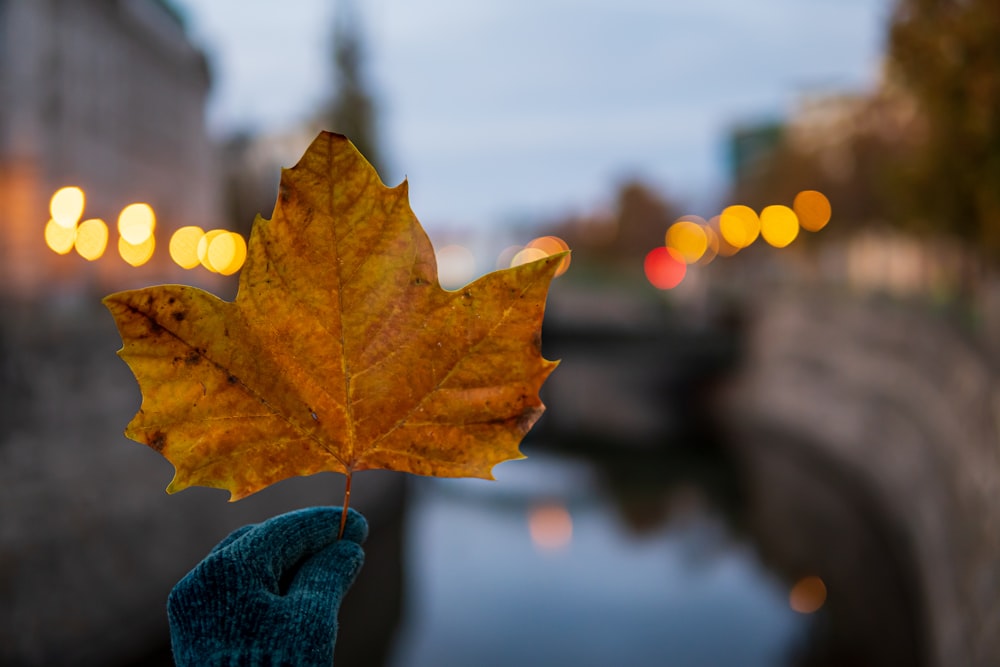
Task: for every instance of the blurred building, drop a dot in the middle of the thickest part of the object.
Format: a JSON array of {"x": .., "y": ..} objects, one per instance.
[
  {"x": 751, "y": 144},
  {"x": 107, "y": 95}
]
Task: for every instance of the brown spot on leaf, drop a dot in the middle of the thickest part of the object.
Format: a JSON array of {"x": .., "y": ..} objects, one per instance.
[{"x": 157, "y": 441}]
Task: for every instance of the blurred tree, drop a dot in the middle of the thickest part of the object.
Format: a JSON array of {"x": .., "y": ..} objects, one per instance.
[
  {"x": 351, "y": 110},
  {"x": 251, "y": 181},
  {"x": 947, "y": 55},
  {"x": 643, "y": 218},
  {"x": 854, "y": 153},
  {"x": 636, "y": 223},
  {"x": 252, "y": 162}
]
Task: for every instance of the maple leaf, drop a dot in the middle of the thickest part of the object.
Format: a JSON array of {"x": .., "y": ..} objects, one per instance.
[{"x": 340, "y": 352}]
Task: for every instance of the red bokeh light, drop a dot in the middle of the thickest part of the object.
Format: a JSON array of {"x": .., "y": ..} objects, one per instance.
[{"x": 665, "y": 267}]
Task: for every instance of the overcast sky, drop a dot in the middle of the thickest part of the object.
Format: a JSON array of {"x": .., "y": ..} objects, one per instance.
[{"x": 499, "y": 110}]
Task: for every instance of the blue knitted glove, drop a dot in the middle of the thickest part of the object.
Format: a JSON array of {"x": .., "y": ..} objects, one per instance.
[{"x": 269, "y": 593}]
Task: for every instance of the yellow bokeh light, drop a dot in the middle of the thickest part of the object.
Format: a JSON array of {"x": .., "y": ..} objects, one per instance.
[
  {"x": 808, "y": 595},
  {"x": 689, "y": 239},
  {"x": 739, "y": 225},
  {"x": 526, "y": 255},
  {"x": 184, "y": 246},
  {"x": 552, "y": 245},
  {"x": 66, "y": 206},
  {"x": 202, "y": 249},
  {"x": 550, "y": 526},
  {"x": 136, "y": 223},
  {"x": 226, "y": 253},
  {"x": 779, "y": 225},
  {"x": 136, "y": 255},
  {"x": 91, "y": 239},
  {"x": 59, "y": 239},
  {"x": 813, "y": 209}
]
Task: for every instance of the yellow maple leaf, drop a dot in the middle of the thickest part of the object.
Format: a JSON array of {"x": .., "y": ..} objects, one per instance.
[{"x": 340, "y": 352}]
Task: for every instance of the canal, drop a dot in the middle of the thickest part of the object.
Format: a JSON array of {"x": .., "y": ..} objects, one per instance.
[
  {"x": 683, "y": 556},
  {"x": 641, "y": 530}
]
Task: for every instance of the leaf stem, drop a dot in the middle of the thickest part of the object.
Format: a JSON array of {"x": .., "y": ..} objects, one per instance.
[{"x": 347, "y": 502}]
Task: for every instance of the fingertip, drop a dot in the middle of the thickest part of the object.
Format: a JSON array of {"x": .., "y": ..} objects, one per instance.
[{"x": 332, "y": 571}]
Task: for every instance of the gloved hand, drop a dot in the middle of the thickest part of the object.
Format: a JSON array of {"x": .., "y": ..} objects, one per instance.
[{"x": 269, "y": 593}]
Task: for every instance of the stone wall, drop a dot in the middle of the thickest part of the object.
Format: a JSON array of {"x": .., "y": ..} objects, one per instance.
[{"x": 907, "y": 400}]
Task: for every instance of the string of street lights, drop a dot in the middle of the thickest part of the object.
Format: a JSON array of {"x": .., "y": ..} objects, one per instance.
[{"x": 218, "y": 250}]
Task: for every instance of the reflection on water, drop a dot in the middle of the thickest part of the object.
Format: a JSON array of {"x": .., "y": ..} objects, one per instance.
[
  {"x": 703, "y": 551},
  {"x": 540, "y": 568}
]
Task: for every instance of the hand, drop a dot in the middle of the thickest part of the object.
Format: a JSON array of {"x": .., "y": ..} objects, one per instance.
[{"x": 269, "y": 593}]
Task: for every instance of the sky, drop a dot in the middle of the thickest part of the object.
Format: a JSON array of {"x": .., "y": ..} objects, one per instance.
[{"x": 499, "y": 111}]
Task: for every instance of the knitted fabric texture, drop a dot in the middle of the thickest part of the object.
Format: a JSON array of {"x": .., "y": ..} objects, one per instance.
[{"x": 269, "y": 593}]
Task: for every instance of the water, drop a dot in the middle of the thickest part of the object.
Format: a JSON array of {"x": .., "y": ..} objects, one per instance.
[{"x": 596, "y": 584}]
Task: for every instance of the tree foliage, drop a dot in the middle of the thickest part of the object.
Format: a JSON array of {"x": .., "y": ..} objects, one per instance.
[
  {"x": 946, "y": 53},
  {"x": 352, "y": 109}
]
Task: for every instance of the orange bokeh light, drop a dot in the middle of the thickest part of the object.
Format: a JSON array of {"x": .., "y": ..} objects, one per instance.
[
  {"x": 808, "y": 595},
  {"x": 551, "y": 527},
  {"x": 813, "y": 209},
  {"x": 551, "y": 245}
]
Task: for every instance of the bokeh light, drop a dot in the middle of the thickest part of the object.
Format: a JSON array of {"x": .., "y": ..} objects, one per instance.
[
  {"x": 136, "y": 223},
  {"x": 813, "y": 209},
  {"x": 506, "y": 256},
  {"x": 779, "y": 225},
  {"x": 725, "y": 248},
  {"x": 550, "y": 526},
  {"x": 226, "y": 253},
  {"x": 456, "y": 266},
  {"x": 526, "y": 255},
  {"x": 202, "y": 249},
  {"x": 808, "y": 595},
  {"x": 66, "y": 206},
  {"x": 136, "y": 255},
  {"x": 688, "y": 238},
  {"x": 665, "y": 267},
  {"x": 552, "y": 245},
  {"x": 739, "y": 225},
  {"x": 184, "y": 246},
  {"x": 711, "y": 245},
  {"x": 59, "y": 239},
  {"x": 91, "y": 239}
]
